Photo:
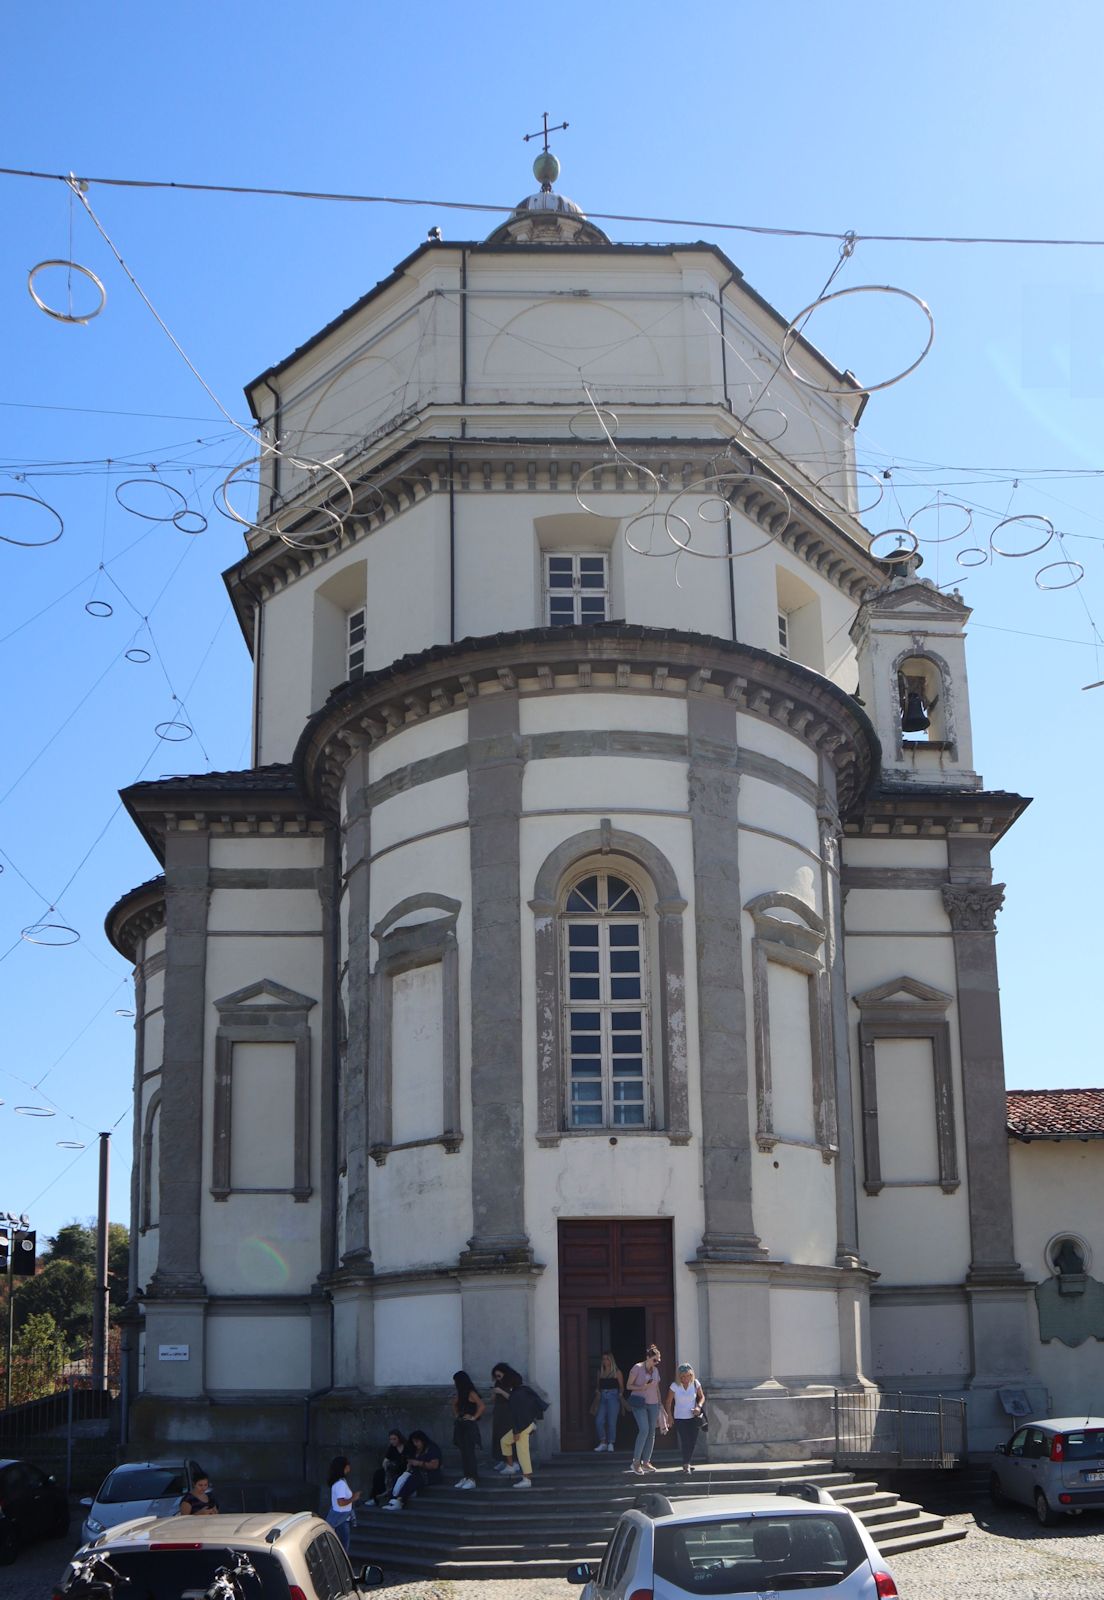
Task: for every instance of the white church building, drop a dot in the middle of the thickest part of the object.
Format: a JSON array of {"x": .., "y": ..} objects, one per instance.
[{"x": 589, "y": 956}]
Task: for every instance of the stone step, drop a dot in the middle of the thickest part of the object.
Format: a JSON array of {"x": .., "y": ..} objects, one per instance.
[{"x": 490, "y": 1532}]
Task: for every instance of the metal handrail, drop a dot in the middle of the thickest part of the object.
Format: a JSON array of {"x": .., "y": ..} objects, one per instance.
[{"x": 874, "y": 1427}]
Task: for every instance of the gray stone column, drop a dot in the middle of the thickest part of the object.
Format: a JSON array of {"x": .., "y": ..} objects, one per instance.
[
  {"x": 495, "y": 770},
  {"x": 182, "y": 1115},
  {"x": 847, "y": 1218},
  {"x": 722, "y": 1008},
  {"x": 357, "y": 1254},
  {"x": 1000, "y": 1337},
  {"x": 972, "y": 903}
]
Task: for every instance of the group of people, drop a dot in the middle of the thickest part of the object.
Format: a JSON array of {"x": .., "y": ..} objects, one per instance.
[
  {"x": 683, "y": 1407},
  {"x": 414, "y": 1463}
]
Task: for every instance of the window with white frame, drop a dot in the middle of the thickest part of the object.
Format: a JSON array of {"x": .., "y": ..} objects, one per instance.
[
  {"x": 784, "y": 634},
  {"x": 576, "y": 586},
  {"x": 354, "y": 644},
  {"x": 605, "y": 983}
]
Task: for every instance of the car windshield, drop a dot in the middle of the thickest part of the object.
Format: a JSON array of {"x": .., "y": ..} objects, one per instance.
[
  {"x": 188, "y": 1574},
  {"x": 141, "y": 1483},
  {"x": 1085, "y": 1446},
  {"x": 743, "y": 1555}
]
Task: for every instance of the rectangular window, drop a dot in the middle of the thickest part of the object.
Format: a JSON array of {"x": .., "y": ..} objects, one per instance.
[
  {"x": 606, "y": 1023},
  {"x": 355, "y": 645},
  {"x": 576, "y": 588},
  {"x": 784, "y": 634}
]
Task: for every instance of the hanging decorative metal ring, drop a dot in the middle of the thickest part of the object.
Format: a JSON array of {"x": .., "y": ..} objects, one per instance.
[
  {"x": 33, "y": 1111},
  {"x": 943, "y": 538},
  {"x": 1018, "y": 555},
  {"x": 973, "y": 550},
  {"x": 790, "y": 336},
  {"x": 51, "y": 935},
  {"x": 148, "y": 516},
  {"x": 623, "y": 464},
  {"x": 822, "y": 485},
  {"x": 99, "y": 608},
  {"x": 902, "y": 552},
  {"x": 137, "y": 655},
  {"x": 179, "y": 518},
  {"x": 608, "y": 423},
  {"x": 32, "y": 544},
  {"x": 655, "y": 555},
  {"x": 165, "y": 731},
  {"x": 66, "y": 316},
  {"x": 1071, "y": 566},
  {"x": 70, "y": 1144}
]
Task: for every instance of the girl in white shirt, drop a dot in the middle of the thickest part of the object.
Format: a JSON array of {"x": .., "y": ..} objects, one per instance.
[{"x": 342, "y": 1499}]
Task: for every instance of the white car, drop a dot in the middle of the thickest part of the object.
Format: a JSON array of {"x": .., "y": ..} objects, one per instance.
[
  {"x": 135, "y": 1489},
  {"x": 798, "y": 1540}
]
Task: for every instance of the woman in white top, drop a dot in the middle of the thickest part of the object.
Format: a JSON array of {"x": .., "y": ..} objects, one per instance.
[
  {"x": 644, "y": 1399},
  {"x": 684, "y": 1406},
  {"x": 342, "y": 1499}
]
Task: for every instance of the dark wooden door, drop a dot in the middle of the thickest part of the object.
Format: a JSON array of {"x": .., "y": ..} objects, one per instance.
[{"x": 608, "y": 1265}]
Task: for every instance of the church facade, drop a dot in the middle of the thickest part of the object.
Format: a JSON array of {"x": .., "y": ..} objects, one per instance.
[{"x": 590, "y": 956}]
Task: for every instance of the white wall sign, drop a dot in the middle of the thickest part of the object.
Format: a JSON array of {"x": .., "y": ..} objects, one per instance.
[{"x": 172, "y": 1352}]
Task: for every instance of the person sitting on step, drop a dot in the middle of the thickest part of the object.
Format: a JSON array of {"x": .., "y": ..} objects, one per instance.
[{"x": 423, "y": 1469}]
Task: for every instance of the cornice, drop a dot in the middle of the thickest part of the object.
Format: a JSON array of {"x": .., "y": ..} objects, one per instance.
[
  {"x": 935, "y": 813},
  {"x": 135, "y": 915},
  {"x": 611, "y": 657},
  {"x": 383, "y": 488},
  {"x": 158, "y": 809}
]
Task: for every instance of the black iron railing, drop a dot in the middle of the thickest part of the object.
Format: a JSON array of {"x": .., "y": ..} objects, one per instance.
[{"x": 878, "y": 1429}]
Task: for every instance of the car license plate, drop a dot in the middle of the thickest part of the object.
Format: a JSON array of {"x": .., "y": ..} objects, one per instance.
[{"x": 1094, "y": 1477}]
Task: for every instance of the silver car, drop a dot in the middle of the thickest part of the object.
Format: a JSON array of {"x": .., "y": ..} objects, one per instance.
[
  {"x": 136, "y": 1489},
  {"x": 739, "y": 1544},
  {"x": 1056, "y": 1465}
]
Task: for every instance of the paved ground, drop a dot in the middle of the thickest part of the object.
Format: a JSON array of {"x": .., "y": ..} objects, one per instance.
[{"x": 1004, "y": 1553}]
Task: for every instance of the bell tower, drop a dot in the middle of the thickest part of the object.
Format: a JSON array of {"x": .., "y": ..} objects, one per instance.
[{"x": 911, "y": 647}]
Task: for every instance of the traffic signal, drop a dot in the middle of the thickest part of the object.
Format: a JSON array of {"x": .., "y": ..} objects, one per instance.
[
  {"x": 23, "y": 1253},
  {"x": 3, "y": 1254}
]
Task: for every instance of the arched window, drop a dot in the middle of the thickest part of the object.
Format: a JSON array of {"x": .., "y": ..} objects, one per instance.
[
  {"x": 610, "y": 989},
  {"x": 604, "y": 940}
]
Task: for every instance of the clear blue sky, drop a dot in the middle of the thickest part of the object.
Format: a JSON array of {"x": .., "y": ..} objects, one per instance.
[{"x": 946, "y": 119}]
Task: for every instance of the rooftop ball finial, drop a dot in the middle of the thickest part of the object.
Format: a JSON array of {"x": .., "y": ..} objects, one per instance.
[{"x": 546, "y": 169}]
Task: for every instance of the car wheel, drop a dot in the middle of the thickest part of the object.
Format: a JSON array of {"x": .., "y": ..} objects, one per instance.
[
  {"x": 996, "y": 1493},
  {"x": 1042, "y": 1510}
]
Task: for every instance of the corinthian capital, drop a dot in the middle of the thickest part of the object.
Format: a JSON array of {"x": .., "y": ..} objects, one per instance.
[{"x": 973, "y": 907}]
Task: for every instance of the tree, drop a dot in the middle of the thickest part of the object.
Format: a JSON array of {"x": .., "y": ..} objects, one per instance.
[
  {"x": 39, "y": 1356},
  {"x": 64, "y": 1285}
]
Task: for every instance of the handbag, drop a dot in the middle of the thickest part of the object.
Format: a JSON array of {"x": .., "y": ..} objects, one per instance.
[
  {"x": 664, "y": 1421},
  {"x": 703, "y": 1420}
]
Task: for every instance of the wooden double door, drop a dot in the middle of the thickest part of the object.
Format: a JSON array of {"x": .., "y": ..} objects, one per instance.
[{"x": 616, "y": 1282}]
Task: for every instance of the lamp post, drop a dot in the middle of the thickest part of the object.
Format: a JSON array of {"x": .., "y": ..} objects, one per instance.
[{"x": 18, "y": 1246}]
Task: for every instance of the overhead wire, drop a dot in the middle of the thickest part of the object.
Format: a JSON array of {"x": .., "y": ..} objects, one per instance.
[{"x": 762, "y": 229}]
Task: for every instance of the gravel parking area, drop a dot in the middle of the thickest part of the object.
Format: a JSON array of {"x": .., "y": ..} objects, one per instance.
[{"x": 1005, "y": 1552}]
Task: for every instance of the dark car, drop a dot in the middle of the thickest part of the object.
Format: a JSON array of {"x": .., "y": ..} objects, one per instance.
[{"x": 32, "y": 1506}]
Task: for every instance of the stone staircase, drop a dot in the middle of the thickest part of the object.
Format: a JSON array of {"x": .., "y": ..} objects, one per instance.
[{"x": 569, "y": 1514}]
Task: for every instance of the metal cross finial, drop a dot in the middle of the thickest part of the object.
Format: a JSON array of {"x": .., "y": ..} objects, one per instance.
[{"x": 543, "y": 134}]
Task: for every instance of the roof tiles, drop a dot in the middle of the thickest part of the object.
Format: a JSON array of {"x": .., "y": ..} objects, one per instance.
[{"x": 1056, "y": 1113}]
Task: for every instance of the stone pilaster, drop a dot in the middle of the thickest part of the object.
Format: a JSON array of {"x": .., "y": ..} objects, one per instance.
[
  {"x": 357, "y": 1252},
  {"x": 495, "y": 770},
  {"x": 729, "y": 1233},
  {"x": 182, "y": 1117},
  {"x": 847, "y": 1218}
]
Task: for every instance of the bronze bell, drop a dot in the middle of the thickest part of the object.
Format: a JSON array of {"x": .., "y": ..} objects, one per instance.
[{"x": 914, "y": 719}]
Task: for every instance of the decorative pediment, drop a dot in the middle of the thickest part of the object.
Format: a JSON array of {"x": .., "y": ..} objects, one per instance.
[
  {"x": 265, "y": 995},
  {"x": 901, "y": 993},
  {"x": 918, "y": 596}
]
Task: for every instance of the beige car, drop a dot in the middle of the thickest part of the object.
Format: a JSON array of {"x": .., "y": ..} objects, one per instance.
[{"x": 262, "y": 1556}]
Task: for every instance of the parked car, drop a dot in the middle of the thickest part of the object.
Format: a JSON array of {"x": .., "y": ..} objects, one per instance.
[
  {"x": 32, "y": 1506},
  {"x": 289, "y": 1556},
  {"x": 1056, "y": 1465},
  {"x": 737, "y": 1544},
  {"x": 135, "y": 1489}
]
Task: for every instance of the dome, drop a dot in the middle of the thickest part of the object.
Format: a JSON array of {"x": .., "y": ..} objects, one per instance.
[{"x": 547, "y": 218}]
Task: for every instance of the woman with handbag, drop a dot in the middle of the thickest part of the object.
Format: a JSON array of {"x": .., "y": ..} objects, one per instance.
[
  {"x": 609, "y": 1393},
  {"x": 686, "y": 1409},
  {"x": 644, "y": 1399}
]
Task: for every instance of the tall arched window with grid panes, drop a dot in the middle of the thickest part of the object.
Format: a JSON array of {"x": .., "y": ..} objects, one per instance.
[{"x": 604, "y": 934}]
